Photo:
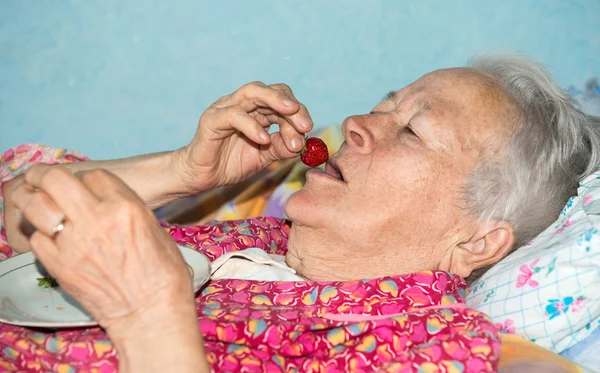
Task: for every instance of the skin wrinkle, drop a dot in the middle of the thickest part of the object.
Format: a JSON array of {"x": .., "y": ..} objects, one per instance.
[{"x": 402, "y": 209}]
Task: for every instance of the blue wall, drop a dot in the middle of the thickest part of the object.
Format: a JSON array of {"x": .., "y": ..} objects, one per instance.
[{"x": 116, "y": 78}]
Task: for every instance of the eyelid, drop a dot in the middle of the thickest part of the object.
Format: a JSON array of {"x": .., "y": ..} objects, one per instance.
[
  {"x": 399, "y": 119},
  {"x": 409, "y": 127}
]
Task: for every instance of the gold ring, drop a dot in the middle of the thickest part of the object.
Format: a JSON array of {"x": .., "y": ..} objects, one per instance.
[{"x": 58, "y": 228}]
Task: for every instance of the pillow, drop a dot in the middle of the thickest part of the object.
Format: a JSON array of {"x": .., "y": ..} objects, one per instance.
[{"x": 549, "y": 290}]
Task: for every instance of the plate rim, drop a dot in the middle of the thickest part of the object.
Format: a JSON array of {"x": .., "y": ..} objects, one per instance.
[{"x": 90, "y": 323}]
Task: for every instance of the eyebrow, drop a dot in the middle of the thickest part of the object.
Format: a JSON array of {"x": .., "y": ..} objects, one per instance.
[
  {"x": 423, "y": 105},
  {"x": 391, "y": 95}
]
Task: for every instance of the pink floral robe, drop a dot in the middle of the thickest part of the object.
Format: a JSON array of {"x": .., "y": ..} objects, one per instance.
[{"x": 409, "y": 323}]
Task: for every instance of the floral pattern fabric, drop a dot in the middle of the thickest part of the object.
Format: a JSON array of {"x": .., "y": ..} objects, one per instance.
[
  {"x": 410, "y": 323},
  {"x": 549, "y": 290}
]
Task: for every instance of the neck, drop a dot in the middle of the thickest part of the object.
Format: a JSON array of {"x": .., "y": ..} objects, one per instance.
[{"x": 317, "y": 256}]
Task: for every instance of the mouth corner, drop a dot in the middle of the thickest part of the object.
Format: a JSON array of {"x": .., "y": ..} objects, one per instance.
[{"x": 332, "y": 169}]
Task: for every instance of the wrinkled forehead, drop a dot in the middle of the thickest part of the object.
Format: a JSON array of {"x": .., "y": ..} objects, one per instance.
[{"x": 460, "y": 105}]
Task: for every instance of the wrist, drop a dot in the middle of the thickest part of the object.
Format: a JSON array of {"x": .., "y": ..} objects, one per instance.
[
  {"x": 160, "y": 340},
  {"x": 187, "y": 174}
]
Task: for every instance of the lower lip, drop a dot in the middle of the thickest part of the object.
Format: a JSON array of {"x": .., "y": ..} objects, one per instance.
[{"x": 317, "y": 172}]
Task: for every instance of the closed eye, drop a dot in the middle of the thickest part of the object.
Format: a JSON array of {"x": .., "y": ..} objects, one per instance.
[
  {"x": 410, "y": 131},
  {"x": 408, "y": 128}
]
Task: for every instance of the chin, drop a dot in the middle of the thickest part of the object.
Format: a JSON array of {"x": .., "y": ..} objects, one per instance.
[
  {"x": 294, "y": 205},
  {"x": 302, "y": 208}
]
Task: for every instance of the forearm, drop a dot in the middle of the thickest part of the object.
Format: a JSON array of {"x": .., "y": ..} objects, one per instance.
[
  {"x": 174, "y": 350},
  {"x": 156, "y": 178}
]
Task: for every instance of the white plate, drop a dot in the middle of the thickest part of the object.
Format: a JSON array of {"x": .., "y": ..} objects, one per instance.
[{"x": 23, "y": 302}]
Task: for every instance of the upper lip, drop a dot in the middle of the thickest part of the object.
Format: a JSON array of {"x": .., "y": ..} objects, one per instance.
[{"x": 333, "y": 169}]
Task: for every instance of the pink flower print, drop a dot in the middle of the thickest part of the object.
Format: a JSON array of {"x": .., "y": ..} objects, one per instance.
[
  {"x": 587, "y": 199},
  {"x": 565, "y": 225},
  {"x": 36, "y": 157},
  {"x": 8, "y": 155},
  {"x": 578, "y": 304},
  {"x": 559, "y": 307},
  {"x": 527, "y": 272},
  {"x": 24, "y": 148},
  {"x": 507, "y": 327}
]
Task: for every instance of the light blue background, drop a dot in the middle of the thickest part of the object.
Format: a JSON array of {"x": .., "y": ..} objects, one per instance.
[{"x": 116, "y": 78}]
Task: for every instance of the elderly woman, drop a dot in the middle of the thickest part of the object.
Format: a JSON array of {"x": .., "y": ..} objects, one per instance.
[{"x": 442, "y": 179}]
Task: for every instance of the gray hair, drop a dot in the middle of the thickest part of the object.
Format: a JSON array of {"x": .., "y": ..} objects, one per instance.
[{"x": 555, "y": 146}]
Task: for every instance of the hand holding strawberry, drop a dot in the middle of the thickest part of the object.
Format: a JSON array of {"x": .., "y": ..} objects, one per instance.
[
  {"x": 232, "y": 142},
  {"x": 315, "y": 152}
]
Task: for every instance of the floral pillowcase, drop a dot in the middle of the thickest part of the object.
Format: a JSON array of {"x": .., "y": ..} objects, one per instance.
[{"x": 549, "y": 290}]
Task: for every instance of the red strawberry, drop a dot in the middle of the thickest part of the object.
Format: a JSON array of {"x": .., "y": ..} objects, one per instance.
[{"x": 315, "y": 152}]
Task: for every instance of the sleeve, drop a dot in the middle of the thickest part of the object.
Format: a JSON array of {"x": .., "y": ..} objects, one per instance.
[{"x": 17, "y": 160}]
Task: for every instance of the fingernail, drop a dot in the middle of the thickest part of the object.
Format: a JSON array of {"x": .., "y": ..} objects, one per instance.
[
  {"x": 294, "y": 144},
  {"x": 306, "y": 124},
  {"x": 288, "y": 102},
  {"x": 264, "y": 136}
]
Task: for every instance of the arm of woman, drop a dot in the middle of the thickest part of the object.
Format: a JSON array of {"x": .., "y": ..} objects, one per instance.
[
  {"x": 156, "y": 178},
  {"x": 230, "y": 145},
  {"x": 120, "y": 265}
]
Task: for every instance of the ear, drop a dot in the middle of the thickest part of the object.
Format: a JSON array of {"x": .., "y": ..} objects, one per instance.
[{"x": 492, "y": 241}]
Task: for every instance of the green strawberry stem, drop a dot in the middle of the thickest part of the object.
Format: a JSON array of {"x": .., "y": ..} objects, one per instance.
[{"x": 304, "y": 147}]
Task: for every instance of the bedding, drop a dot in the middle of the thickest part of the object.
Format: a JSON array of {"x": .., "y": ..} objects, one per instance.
[
  {"x": 548, "y": 291},
  {"x": 585, "y": 352}
]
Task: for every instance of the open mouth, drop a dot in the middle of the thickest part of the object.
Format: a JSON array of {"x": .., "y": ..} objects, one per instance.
[{"x": 333, "y": 170}]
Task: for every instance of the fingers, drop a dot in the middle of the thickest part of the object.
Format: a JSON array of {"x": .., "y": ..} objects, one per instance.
[
  {"x": 106, "y": 186},
  {"x": 69, "y": 194},
  {"x": 277, "y": 150},
  {"x": 256, "y": 94},
  {"x": 295, "y": 127},
  {"x": 237, "y": 118},
  {"x": 76, "y": 197},
  {"x": 267, "y": 105},
  {"x": 38, "y": 208},
  {"x": 287, "y": 142},
  {"x": 293, "y": 140},
  {"x": 301, "y": 119},
  {"x": 46, "y": 251},
  {"x": 278, "y": 98}
]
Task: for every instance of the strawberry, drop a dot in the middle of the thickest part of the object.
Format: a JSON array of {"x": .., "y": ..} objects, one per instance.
[{"x": 314, "y": 153}]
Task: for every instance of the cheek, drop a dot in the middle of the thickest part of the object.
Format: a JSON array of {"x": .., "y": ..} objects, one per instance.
[
  {"x": 404, "y": 193},
  {"x": 406, "y": 175}
]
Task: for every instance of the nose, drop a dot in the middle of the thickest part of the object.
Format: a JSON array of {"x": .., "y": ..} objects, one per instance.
[{"x": 358, "y": 132}]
